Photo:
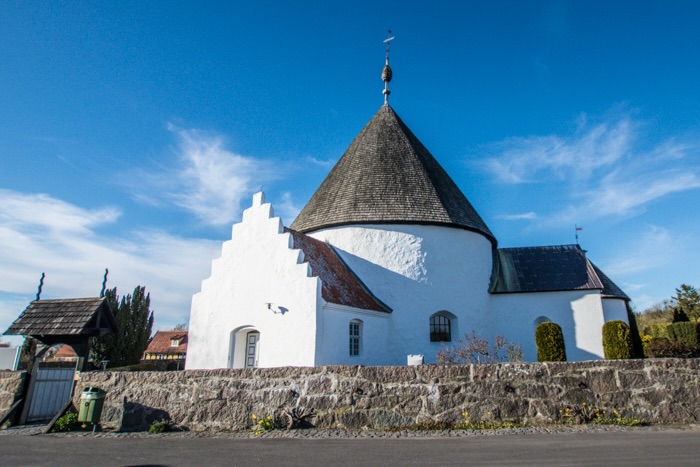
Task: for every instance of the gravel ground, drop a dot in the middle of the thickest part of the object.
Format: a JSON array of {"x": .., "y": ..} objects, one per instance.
[{"x": 34, "y": 430}]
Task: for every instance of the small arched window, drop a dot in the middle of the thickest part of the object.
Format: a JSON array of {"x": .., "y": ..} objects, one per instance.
[
  {"x": 440, "y": 328},
  {"x": 355, "y": 334}
]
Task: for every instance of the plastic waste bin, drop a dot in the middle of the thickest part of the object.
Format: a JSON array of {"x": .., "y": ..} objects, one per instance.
[{"x": 91, "y": 402}]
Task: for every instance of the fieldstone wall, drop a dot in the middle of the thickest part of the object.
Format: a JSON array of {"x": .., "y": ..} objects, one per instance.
[
  {"x": 11, "y": 385},
  {"x": 661, "y": 391}
]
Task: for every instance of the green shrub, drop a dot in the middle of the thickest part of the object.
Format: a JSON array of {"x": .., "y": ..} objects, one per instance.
[
  {"x": 617, "y": 342},
  {"x": 661, "y": 347},
  {"x": 685, "y": 332},
  {"x": 67, "y": 422},
  {"x": 550, "y": 343},
  {"x": 657, "y": 330},
  {"x": 160, "y": 426}
]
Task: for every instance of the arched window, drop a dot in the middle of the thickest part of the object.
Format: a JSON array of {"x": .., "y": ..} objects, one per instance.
[
  {"x": 355, "y": 335},
  {"x": 440, "y": 327}
]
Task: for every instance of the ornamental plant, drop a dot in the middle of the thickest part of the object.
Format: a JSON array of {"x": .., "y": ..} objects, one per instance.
[
  {"x": 617, "y": 342},
  {"x": 549, "y": 339},
  {"x": 67, "y": 422},
  {"x": 263, "y": 423}
]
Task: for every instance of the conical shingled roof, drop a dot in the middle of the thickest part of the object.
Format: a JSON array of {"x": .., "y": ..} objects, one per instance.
[{"x": 387, "y": 176}]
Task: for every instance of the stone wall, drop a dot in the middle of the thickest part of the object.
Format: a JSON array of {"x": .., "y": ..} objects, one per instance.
[
  {"x": 11, "y": 385},
  {"x": 661, "y": 391}
]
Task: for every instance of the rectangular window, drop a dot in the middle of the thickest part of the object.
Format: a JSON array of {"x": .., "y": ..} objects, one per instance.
[{"x": 354, "y": 338}]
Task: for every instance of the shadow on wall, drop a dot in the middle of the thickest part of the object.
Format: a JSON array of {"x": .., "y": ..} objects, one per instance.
[
  {"x": 138, "y": 417},
  {"x": 386, "y": 286}
]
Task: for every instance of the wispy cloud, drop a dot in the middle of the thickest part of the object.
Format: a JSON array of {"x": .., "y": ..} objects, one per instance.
[
  {"x": 65, "y": 241},
  {"x": 40, "y": 211},
  {"x": 525, "y": 216},
  {"x": 605, "y": 169},
  {"x": 526, "y": 159},
  {"x": 286, "y": 208},
  {"x": 320, "y": 162},
  {"x": 206, "y": 179}
]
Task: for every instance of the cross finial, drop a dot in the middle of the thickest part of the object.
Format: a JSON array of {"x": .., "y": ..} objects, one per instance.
[{"x": 386, "y": 71}]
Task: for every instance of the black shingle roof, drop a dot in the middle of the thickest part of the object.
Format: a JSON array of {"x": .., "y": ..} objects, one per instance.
[
  {"x": 547, "y": 269},
  {"x": 72, "y": 316},
  {"x": 388, "y": 176}
]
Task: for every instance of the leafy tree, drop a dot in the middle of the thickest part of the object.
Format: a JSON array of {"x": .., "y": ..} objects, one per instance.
[
  {"x": 687, "y": 304},
  {"x": 134, "y": 322},
  {"x": 181, "y": 327}
]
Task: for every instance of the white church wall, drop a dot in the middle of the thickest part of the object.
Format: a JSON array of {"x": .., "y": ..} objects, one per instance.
[
  {"x": 418, "y": 270},
  {"x": 257, "y": 266},
  {"x": 615, "y": 309},
  {"x": 579, "y": 313},
  {"x": 333, "y": 342}
]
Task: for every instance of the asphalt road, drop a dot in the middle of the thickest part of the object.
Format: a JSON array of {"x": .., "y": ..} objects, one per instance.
[{"x": 637, "y": 448}]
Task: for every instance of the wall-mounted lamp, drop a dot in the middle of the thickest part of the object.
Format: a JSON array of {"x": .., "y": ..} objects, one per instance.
[{"x": 280, "y": 310}]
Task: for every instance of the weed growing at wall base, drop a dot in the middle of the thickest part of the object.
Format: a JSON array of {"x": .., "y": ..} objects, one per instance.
[
  {"x": 263, "y": 423},
  {"x": 583, "y": 414},
  {"x": 489, "y": 424}
]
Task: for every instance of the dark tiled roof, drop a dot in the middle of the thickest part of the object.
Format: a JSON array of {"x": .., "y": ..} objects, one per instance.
[
  {"x": 388, "y": 176},
  {"x": 161, "y": 342},
  {"x": 72, "y": 316},
  {"x": 339, "y": 284},
  {"x": 546, "y": 269},
  {"x": 610, "y": 289}
]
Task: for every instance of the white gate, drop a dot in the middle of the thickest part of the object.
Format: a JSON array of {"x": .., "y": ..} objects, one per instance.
[{"x": 52, "y": 389}]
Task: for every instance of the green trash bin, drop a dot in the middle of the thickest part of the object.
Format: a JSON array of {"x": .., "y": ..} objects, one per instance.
[{"x": 91, "y": 402}]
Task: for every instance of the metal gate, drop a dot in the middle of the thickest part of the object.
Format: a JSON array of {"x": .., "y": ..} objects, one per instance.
[{"x": 52, "y": 389}]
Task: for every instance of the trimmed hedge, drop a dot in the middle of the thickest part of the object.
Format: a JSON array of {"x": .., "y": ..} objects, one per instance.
[
  {"x": 661, "y": 347},
  {"x": 617, "y": 341},
  {"x": 550, "y": 343},
  {"x": 685, "y": 332}
]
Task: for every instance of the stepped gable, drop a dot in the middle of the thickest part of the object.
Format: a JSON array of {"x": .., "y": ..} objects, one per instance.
[{"x": 387, "y": 176}]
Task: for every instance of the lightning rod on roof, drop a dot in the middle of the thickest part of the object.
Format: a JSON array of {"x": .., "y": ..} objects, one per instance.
[
  {"x": 41, "y": 286},
  {"x": 386, "y": 71}
]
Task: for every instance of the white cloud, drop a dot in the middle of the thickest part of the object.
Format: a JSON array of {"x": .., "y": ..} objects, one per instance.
[
  {"x": 206, "y": 179},
  {"x": 519, "y": 217},
  {"x": 40, "y": 211},
  {"x": 74, "y": 258},
  {"x": 320, "y": 162},
  {"x": 286, "y": 208},
  {"x": 655, "y": 247},
  {"x": 523, "y": 160},
  {"x": 600, "y": 170}
]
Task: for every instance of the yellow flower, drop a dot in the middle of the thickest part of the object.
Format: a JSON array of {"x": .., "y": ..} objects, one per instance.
[
  {"x": 584, "y": 404},
  {"x": 254, "y": 416}
]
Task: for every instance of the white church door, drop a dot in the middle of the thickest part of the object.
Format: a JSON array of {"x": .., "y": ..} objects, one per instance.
[{"x": 251, "y": 349}]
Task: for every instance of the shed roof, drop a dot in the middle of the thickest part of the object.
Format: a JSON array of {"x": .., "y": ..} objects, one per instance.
[
  {"x": 548, "y": 269},
  {"x": 65, "y": 317},
  {"x": 339, "y": 284},
  {"x": 388, "y": 176}
]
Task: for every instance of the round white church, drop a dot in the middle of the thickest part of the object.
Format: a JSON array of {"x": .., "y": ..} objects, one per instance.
[{"x": 387, "y": 260}]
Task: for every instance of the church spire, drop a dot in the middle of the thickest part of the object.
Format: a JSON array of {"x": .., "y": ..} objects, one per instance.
[{"x": 386, "y": 71}]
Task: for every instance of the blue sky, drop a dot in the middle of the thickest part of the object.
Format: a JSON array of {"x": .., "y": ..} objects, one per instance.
[{"x": 133, "y": 134}]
